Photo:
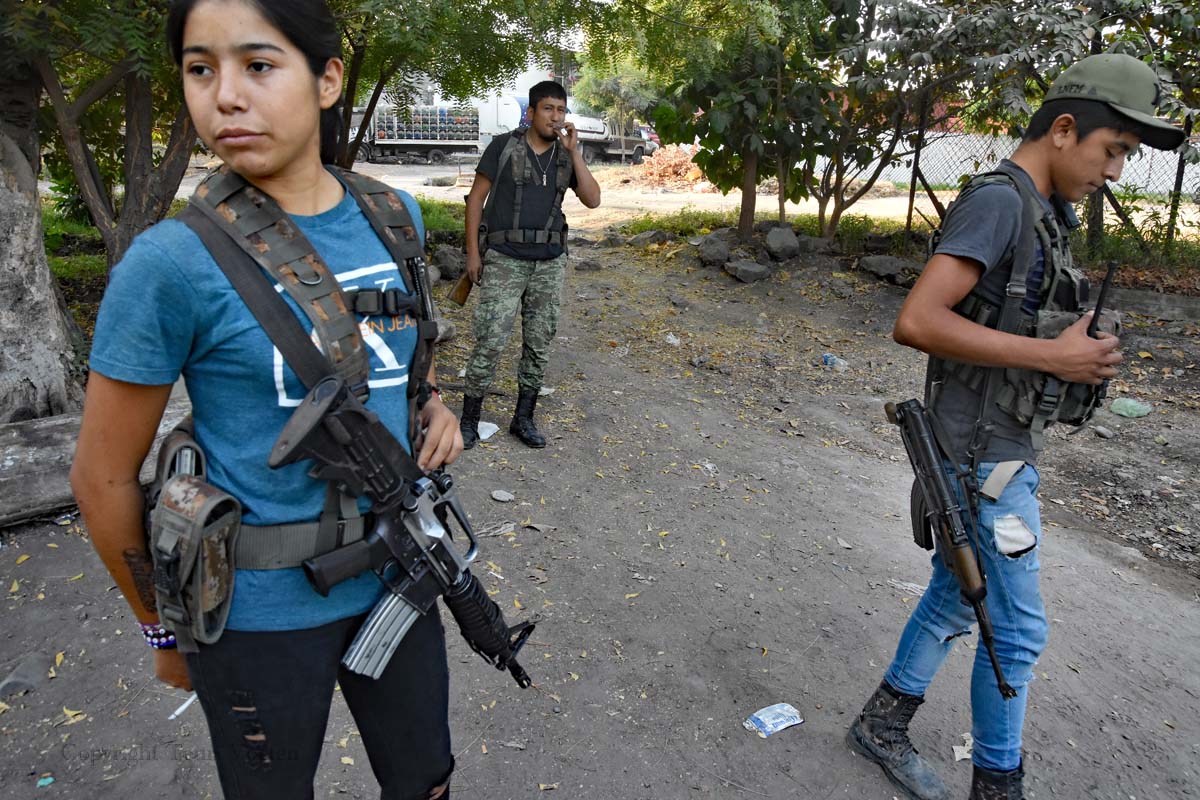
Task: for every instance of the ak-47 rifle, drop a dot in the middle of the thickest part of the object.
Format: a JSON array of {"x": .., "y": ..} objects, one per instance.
[
  {"x": 944, "y": 515},
  {"x": 409, "y": 546}
]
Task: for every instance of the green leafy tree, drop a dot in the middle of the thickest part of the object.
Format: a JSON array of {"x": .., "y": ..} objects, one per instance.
[
  {"x": 741, "y": 107},
  {"x": 119, "y": 119},
  {"x": 465, "y": 47},
  {"x": 623, "y": 91}
]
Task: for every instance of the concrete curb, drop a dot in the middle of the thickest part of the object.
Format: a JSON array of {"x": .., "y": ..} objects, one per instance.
[{"x": 1174, "y": 307}]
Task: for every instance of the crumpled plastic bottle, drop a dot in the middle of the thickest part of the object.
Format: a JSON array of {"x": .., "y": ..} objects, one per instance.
[{"x": 834, "y": 362}]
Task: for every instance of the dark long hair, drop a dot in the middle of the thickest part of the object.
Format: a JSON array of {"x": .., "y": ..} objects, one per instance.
[{"x": 308, "y": 25}]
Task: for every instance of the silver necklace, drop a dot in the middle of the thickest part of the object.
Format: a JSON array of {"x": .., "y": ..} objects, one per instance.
[{"x": 538, "y": 160}]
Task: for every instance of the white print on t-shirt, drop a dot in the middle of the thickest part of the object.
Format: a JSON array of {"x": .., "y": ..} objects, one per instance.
[{"x": 385, "y": 360}]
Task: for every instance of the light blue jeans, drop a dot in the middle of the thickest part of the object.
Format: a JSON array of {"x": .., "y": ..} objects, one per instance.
[{"x": 1014, "y": 603}]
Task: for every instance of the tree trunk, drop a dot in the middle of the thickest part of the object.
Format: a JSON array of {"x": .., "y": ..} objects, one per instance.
[
  {"x": 35, "y": 348},
  {"x": 830, "y": 226},
  {"x": 749, "y": 194},
  {"x": 368, "y": 114},
  {"x": 1177, "y": 192},
  {"x": 782, "y": 179},
  {"x": 149, "y": 190},
  {"x": 345, "y": 153}
]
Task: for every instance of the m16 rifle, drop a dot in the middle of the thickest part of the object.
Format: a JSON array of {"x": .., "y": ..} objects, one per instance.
[
  {"x": 941, "y": 512},
  {"x": 409, "y": 545}
]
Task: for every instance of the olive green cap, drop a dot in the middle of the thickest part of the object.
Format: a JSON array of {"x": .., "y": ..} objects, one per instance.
[{"x": 1124, "y": 84}]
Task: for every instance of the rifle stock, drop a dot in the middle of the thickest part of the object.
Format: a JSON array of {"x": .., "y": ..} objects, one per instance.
[{"x": 461, "y": 290}]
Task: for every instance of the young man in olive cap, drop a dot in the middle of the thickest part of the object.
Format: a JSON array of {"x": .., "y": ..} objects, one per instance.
[{"x": 1000, "y": 269}]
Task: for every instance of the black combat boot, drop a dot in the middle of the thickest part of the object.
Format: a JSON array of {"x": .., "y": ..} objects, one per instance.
[
  {"x": 468, "y": 423},
  {"x": 522, "y": 422},
  {"x": 989, "y": 785},
  {"x": 881, "y": 734}
]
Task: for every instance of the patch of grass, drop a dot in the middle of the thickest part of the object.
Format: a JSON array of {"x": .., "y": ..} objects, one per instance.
[
  {"x": 687, "y": 221},
  {"x": 441, "y": 215},
  {"x": 852, "y": 230},
  {"x": 79, "y": 267},
  {"x": 937, "y": 187},
  {"x": 57, "y": 230}
]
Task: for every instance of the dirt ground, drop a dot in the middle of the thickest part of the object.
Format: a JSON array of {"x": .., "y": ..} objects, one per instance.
[{"x": 716, "y": 526}]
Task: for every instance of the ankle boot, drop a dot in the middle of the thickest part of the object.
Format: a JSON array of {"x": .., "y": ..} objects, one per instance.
[
  {"x": 989, "y": 785},
  {"x": 468, "y": 423},
  {"x": 881, "y": 734},
  {"x": 522, "y": 422}
]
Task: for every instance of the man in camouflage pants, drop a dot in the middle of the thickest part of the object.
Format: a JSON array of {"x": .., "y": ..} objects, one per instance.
[{"x": 516, "y": 251}]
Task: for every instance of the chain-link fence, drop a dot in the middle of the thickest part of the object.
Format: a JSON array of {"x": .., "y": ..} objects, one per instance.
[
  {"x": 1143, "y": 196},
  {"x": 1141, "y": 205}
]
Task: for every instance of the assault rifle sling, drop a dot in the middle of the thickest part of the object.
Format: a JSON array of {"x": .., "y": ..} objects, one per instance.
[{"x": 354, "y": 451}]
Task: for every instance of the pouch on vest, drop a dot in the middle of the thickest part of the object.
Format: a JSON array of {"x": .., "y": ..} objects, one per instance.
[
  {"x": 193, "y": 533},
  {"x": 1026, "y": 391}
]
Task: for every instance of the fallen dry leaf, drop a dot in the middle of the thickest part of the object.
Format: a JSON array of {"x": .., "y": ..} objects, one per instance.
[{"x": 21, "y": 559}]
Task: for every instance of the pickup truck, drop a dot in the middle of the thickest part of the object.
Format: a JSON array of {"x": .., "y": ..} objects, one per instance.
[{"x": 600, "y": 140}]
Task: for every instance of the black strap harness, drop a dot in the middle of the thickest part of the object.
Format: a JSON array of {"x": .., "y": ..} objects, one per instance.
[
  {"x": 247, "y": 232},
  {"x": 515, "y": 154}
]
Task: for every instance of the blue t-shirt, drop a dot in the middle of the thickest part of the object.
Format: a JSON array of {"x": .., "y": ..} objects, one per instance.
[{"x": 170, "y": 310}]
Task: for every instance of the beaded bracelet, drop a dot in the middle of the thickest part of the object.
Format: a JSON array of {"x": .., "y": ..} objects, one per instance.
[{"x": 157, "y": 636}]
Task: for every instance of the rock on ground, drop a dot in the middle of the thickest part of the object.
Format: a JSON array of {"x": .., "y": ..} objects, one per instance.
[
  {"x": 782, "y": 244},
  {"x": 445, "y": 330},
  {"x": 450, "y": 261},
  {"x": 816, "y": 244},
  {"x": 713, "y": 250},
  {"x": 747, "y": 271},
  {"x": 29, "y": 673},
  {"x": 900, "y": 271},
  {"x": 611, "y": 240},
  {"x": 646, "y": 238}
]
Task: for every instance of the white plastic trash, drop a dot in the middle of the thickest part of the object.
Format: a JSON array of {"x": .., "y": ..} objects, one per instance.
[
  {"x": 486, "y": 429},
  {"x": 772, "y": 719}
]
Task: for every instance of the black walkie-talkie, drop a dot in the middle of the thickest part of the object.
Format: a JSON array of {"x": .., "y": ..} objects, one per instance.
[{"x": 1108, "y": 278}]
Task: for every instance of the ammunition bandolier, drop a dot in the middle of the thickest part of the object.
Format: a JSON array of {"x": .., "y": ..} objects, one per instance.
[
  {"x": 516, "y": 156},
  {"x": 244, "y": 229},
  {"x": 1033, "y": 398}
]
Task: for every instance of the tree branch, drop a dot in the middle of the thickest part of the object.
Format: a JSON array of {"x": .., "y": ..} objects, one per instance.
[
  {"x": 101, "y": 87},
  {"x": 98, "y": 203}
]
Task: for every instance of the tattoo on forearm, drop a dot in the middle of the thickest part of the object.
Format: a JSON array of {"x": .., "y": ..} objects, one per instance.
[{"x": 141, "y": 568}]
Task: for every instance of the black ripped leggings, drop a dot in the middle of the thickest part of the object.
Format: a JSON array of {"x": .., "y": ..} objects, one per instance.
[{"x": 267, "y": 694}]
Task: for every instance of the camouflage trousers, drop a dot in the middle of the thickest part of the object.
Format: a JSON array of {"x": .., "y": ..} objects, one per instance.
[{"x": 508, "y": 284}]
